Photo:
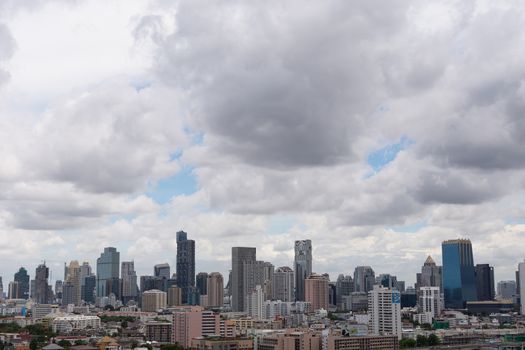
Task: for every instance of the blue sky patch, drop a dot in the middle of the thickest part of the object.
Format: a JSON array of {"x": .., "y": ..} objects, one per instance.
[
  {"x": 410, "y": 228},
  {"x": 380, "y": 158},
  {"x": 182, "y": 183},
  {"x": 280, "y": 223}
]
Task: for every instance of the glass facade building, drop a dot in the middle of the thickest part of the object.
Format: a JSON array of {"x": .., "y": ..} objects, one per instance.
[
  {"x": 107, "y": 270},
  {"x": 459, "y": 281}
]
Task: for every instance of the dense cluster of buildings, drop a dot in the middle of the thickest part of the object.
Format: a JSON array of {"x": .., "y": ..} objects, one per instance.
[{"x": 262, "y": 306}]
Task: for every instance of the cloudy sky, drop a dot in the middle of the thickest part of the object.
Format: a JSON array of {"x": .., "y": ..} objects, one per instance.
[{"x": 376, "y": 129}]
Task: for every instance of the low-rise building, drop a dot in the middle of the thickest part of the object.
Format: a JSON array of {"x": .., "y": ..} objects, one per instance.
[
  {"x": 220, "y": 343},
  {"x": 158, "y": 331},
  {"x": 69, "y": 323}
]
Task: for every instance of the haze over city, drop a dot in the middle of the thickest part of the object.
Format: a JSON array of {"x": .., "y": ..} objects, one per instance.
[{"x": 375, "y": 129}]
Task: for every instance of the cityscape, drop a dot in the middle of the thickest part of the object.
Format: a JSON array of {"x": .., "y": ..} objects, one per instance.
[{"x": 455, "y": 303}]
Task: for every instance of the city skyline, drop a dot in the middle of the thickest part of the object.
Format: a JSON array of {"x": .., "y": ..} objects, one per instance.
[{"x": 376, "y": 136}]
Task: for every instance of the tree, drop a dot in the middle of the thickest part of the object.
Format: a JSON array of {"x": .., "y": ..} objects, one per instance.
[
  {"x": 64, "y": 343},
  {"x": 407, "y": 343},
  {"x": 426, "y": 326},
  {"x": 80, "y": 342},
  {"x": 421, "y": 340},
  {"x": 33, "y": 345},
  {"x": 433, "y": 340}
]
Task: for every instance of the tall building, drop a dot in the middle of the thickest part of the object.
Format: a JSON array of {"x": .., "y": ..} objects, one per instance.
[
  {"x": 521, "y": 285},
  {"x": 430, "y": 275},
  {"x": 364, "y": 279},
  {"x": 185, "y": 264},
  {"x": 59, "y": 288},
  {"x": 430, "y": 301},
  {"x": 255, "y": 303},
  {"x": 282, "y": 285},
  {"x": 215, "y": 286},
  {"x": 129, "y": 290},
  {"x": 107, "y": 270},
  {"x": 459, "y": 281},
  {"x": 162, "y": 270},
  {"x": 484, "y": 282},
  {"x": 85, "y": 271},
  {"x": 384, "y": 311},
  {"x": 89, "y": 289},
  {"x": 302, "y": 266},
  {"x": 72, "y": 282},
  {"x": 256, "y": 274},
  {"x": 23, "y": 283},
  {"x": 316, "y": 291},
  {"x": 506, "y": 289},
  {"x": 344, "y": 286},
  {"x": 240, "y": 256},
  {"x": 201, "y": 281},
  {"x": 13, "y": 291},
  {"x": 1, "y": 289},
  {"x": 190, "y": 322},
  {"x": 153, "y": 300},
  {"x": 174, "y": 296},
  {"x": 41, "y": 286}
]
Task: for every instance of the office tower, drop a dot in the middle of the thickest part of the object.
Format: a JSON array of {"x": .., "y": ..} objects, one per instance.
[
  {"x": 1, "y": 289},
  {"x": 85, "y": 271},
  {"x": 255, "y": 303},
  {"x": 430, "y": 275},
  {"x": 174, "y": 296},
  {"x": 343, "y": 287},
  {"x": 400, "y": 286},
  {"x": 521, "y": 285},
  {"x": 506, "y": 290},
  {"x": 153, "y": 300},
  {"x": 364, "y": 279},
  {"x": 191, "y": 322},
  {"x": 129, "y": 281},
  {"x": 22, "y": 278},
  {"x": 59, "y": 288},
  {"x": 162, "y": 270},
  {"x": 215, "y": 290},
  {"x": 240, "y": 256},
  {"x": 332, "y": 294},
  {"x": 387, "y": 280},
  {"x": 384, "y": 311},
  {"x": 13, "y": 290},
  {"x": 201, "y": 282},
  {"x": 430, "y": 302},
  {"x": 107, "y": 270},
  {"x": 32, "y": 288},
  {"x": 185, "y": 264},
  {"x": 302, "y": 266},
  {"x": 283, "y": 284},
  {"x": 90, "y": 285},
  {"x": 459, "y": 281},
  {"x": 256, "y": 274},
  {"x": 41, "y": 287},
  {"x": 484, "y": 282},
  {"x": 316, "y": 291},
  {"x": 72, "y": 281},
  {"x": 269, "y": 270}
]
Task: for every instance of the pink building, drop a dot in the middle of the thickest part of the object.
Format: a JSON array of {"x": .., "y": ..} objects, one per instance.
[
  {"x": 316, "y": 291},
  {"x": 193, "y": 321}
]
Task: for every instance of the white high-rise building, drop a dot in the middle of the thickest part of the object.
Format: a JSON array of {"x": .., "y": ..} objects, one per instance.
[
  {"x": 283, "y": 284},
  {"x": 430, "y": 302},
  {"x": 521, "y": 274},
  {"x": 255, "y": 303},
  {"x": 384, "y": 311}
]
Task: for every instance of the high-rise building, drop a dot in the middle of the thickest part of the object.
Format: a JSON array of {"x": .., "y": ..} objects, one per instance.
[
  {"x": 430, "y": 301},
  {"x": 185, "y": 264},
  {"x": 215, "y": 290},
  {"x": 255, "y": 303},
  {"x": 364, "y": 279},
  {"x": 90, "y": 285},
  {"x": 59, "y": 288},
  {"x": 41, "y": 286},
  {"x": 302, "y": 266},
  {"x": 484, "y": 282},
  {"x": 85, "y": 271},
  {"x": 269, "y": 270},
  {"x": 22, "y": 278},
  {"x": 521, "y": 285},
  {"x": 129, "y": 288},
  {"x": 344, "y": 286},
  {"x": 283, "y": 283},
  {"x": 107, "y": 270},
  {"x": 316, "y": 291},
  {"x": 201, "y": 281},
  {"x": 174, "y": 296},
  {"x": 1, "y": 289},
  {"x": 153, "y": 300},
  {"x": 190, "y": 322},
  {"x": 506, "y": 290},
  {"x": 387, "y": 280},
  {"x": 255, "y": 274},
  {"x": 459, "y": 281},
  {"x": 13, "y": 290},
  {"x": 240, "y": 256},
  {"x": 72, "y": 282},
  {"x": 384, "y": 311},
  {"x": 162, "y": 270},
  {"x": 430, "y": 275}
]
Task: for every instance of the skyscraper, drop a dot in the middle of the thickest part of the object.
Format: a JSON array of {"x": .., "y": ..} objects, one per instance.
[
  {"x": 41, "y": 286},
  {"x": 343, "y": 287},
  {"x": 215, "y": 288},
  {"x": 13, "y": 291},
  {"x": 185, "y": 264},
  {"x": 316, "y": 291},
  {"x": 23, "y": 283},
  {"x": 430, "y": 275},
  {"x": 85, "y": 271},
  {"x": 364, "y": 279},
  {"x": 1, "y": 289},
  {"x": 484, "y": 282},
  {"x": 240, "y": 255},
  {"x": 107, "y": 270},
  {"x": 459, "y": 281},
  {"x": 72, "y": 284},
  {"x": 302, "y": 266},
  {"x": 202, "y": 283},
  {"x": 282, "y": 285},
  {"x": 162, "y": 270},
  {"x": 129, "y": 289},
  {"x": 384, "y": 311},
  {"x": 521, "y": 285},
  {"x": 506, "y": 289}
]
